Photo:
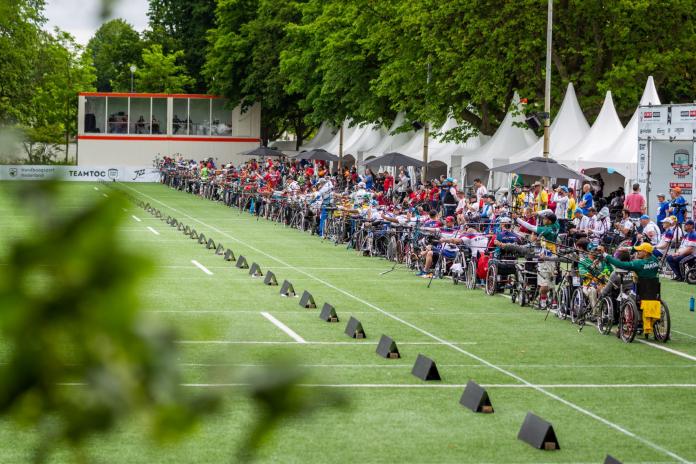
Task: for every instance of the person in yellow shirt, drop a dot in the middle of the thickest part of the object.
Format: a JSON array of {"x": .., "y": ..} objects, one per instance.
[
  {"x": 541, "y": 197},
  {"x": 572, "y": 203}
]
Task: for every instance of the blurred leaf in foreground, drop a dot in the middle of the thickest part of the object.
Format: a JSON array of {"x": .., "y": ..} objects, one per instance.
[{"x": 79, "y": 355}]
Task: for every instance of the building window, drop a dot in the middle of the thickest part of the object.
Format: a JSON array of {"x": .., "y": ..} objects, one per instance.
[
  {"x": 199, "y": 114},
  {"x": 180, "y": 119},
  {"x": 117, "y": 108},
  {"x": 139, "y": 116},
  {"x": 221, "y": 118},
  {"x": 159, "y": 116},
  {"x": 95, "y": 115}
]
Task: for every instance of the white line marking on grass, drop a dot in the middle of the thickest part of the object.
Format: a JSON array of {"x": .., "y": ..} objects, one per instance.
[
  {"x": 508, "y": 373},
  {"x": 291, "y": 333},
  {"x": 152, "y": 230},
  {"x": 683, "y": 333},
  {"x": 95, "y": 188},
  {"x": 136, "y": 218},
  {"x": 105, "y": 195},
  {"x": 474, "y": 366},
  {"x": 669, "y": 350},
  {"x": 267, "y": 342},
  {"x": 201, "y": 267}
]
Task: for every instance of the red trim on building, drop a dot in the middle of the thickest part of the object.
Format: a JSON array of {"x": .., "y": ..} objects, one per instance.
[
  {"x": 169, "y": 139},
  {"x": 147, "y": 95}
]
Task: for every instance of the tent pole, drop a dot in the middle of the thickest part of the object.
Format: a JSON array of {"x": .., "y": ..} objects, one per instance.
[
  {"x": 340, "y": 149},
  {"x": 547, "y": 87},
  {"x": 426, "y": 128}
]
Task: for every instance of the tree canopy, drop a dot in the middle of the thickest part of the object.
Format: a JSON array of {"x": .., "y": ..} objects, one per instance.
[
  {"x": 114, "y": 48},
  {"x": 161, "y": 73}
]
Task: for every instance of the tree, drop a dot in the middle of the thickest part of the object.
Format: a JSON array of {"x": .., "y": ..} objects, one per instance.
[
  {"x": 161, "y": 73},
  {"x": 114, "y": 48},
  {"x": 243, "y": 63},
  {"x": 183, "y": 25}
]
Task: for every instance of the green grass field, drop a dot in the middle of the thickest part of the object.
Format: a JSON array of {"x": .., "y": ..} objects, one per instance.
[{"x": 636, "y": 402}]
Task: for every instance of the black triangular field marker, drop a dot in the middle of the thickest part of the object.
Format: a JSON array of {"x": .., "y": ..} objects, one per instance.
[
  {"x": 180, "y": 226},
  {"x": 194, "y": 234},
  {"x": 187, "y": 230},
  {"x": 174, "y": 223},
  {"x": 220, "y": 249},
  {"x": 476, "y": 398},
  {"x": 211, "y": 244},
  {"x": 425, "y": 369},
  {"x": 242, "y": 263},
  {"x": 255, "y": 270},
  {"x": 229, "y": 255},
  {"x": 270, "y": 279},
  {"x": 287, "y": 289},
  {"x": 387, "y": 348},
  {"x": 328, "y": 313},
  {"x": 354, "y": 328},
  {"x": 202, "y": 239},
  {"x": 307, "y": 300},
  {"x": 611, "y": 460},
  {"x": 538, "y": 433}
]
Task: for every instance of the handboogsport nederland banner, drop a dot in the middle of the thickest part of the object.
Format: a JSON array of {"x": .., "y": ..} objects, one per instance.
[{"x": 80, "y": 173}]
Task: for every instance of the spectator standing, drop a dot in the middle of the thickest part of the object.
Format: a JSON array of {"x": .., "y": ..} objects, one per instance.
[
  {"x": 481, "y": 190},
  {"x": 635, "y": 203},
  {"x": 561, "y": 207},
  {"x": 677, "y": 207},
  {"x": 662, "y": 209},
  {"x": 586, "y": 202}
]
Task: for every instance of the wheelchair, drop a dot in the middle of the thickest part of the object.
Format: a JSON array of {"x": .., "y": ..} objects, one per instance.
[
  {"x": 501, "y": 274},
  {"x": 689, "y": 271},
  {"x": 525, "y": 288},
  {"x": 463, "y": 268}
]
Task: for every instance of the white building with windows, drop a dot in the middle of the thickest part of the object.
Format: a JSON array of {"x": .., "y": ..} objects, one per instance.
[{"x": 133, "y": 129}]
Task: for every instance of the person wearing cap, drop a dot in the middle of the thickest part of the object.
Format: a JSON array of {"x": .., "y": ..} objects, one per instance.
[
  {"x": 593, "y": 271},
  {"x": 677, "y": 207},
  {"x": 646, "y": 267},
  {"x": 635, "y": 202},
  {"x": 670, "y": 237},
  {"x": 686, "y": 252},
  {"x": 546, "y": 235},
  {"x": 449, "y": 199},
  {"x": 504, "y": 236},
  {"x": 487, "y": 212},
  {"x": 662, "y": 209},
  {"x": 324, "y": 196},
  {"x": 649, "y": 231},
  {"x": 600, "y": 226},
  {"x": 541, "y": 198}
]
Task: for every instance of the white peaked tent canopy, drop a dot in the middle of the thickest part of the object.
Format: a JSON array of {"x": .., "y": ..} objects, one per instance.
[
  {"x": 414, "y": 147},
  {"x": 509, "y": 138},
  {"x": 605, "y": 130},
  {"x": 322, "y": 137},
  {"x": 622, "y": 155},
  {"x": 391, "y": 140},
  {"x": 333, "y": 145},
  {"x": 567, "y": 129},
  {"x": 363, "y": 138}
]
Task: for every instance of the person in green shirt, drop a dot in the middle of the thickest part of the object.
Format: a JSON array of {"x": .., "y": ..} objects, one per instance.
[
  {"x": 546, "y": 234},
  {"x": 647, "y": 266},
  {"x": 204, "y": 173},
  {"x": 594, "y": 273}
]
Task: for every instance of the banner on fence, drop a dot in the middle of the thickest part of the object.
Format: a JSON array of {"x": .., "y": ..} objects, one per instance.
[{"x": 80, "y": 173}]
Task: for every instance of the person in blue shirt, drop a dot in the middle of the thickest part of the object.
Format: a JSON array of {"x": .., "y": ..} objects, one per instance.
[
  {"x": 586, "y": 202},
  {"x": 369, "y": 179},
  {"x": 662, "y": 209},
  {"x": 677, "y": 207},
  {"x": 505, "y": 235}
]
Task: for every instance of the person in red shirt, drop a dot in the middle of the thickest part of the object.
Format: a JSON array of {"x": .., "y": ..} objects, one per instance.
[
  {"x": 309, "y": 172},
  {"x": 388, "y": 182},
  {"x": 434, "y": 196}
]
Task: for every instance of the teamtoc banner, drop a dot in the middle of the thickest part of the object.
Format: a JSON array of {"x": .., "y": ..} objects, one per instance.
[{"x": 80, "y": 173}]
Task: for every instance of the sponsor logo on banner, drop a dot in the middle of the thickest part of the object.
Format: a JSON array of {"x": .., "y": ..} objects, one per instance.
[
  {"x": 113, "y": 173},
  {"x": 12, "y": 172},
  {"x": 79, "y": 173},
  {"x": 684, "y": 186},
  {"x": 681, "y": 164}
]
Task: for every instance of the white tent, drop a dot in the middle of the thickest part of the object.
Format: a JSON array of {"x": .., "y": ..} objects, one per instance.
[
  {"x": 363, "y": 138},
  {"x": 414, "y": 147},
  {"x": 568, "y": 128},
  {"x": 622, "y": 154},
  {"x": 333, "y": 145},
  {"x": 322, "y": 137},
  {"x": 509, "y": 138},
  {"x": 391, "y": 140},
  {"x": 605, "y": 130}
]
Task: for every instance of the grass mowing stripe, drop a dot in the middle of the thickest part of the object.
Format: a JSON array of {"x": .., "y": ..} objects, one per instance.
[
  {"x": 506, "y": 372},
  {"x": 152, "y": 230},
  {"x": 201, "y": 267},
  {"x": 291, "y": 333}
]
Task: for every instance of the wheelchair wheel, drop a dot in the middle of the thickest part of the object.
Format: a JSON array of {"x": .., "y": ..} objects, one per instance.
[
  {"x": 471, "y": 275},
  {"x": 523, "y": 299},
  {"x": 628, "y": 320},
  {"x": 690, "y": 276},
  {"x": 514, "y": 288},
  {"x": 661, "y": 328},
  {"x": 605, "y": 320},
  {"x": 563, "y": 302},
  {"x": 577, "y": 306},
  {"x": 491, "y": 280}
]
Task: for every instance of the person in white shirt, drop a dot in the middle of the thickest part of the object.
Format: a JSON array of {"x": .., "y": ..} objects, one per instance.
[
  {"x": 481, "y": 190},
  {"x": 560, "y": 197},
  {"x": 649, "y": 230}
]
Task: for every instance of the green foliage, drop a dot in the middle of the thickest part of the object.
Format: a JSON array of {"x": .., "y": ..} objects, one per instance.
[
  {"x": 80, "y": 355},
  {"x": 243, "y": 62},
  {"x": 183, "y": 25},
  {"x": 113, "y": 49},
  {"x": 161, "y": 73}
]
